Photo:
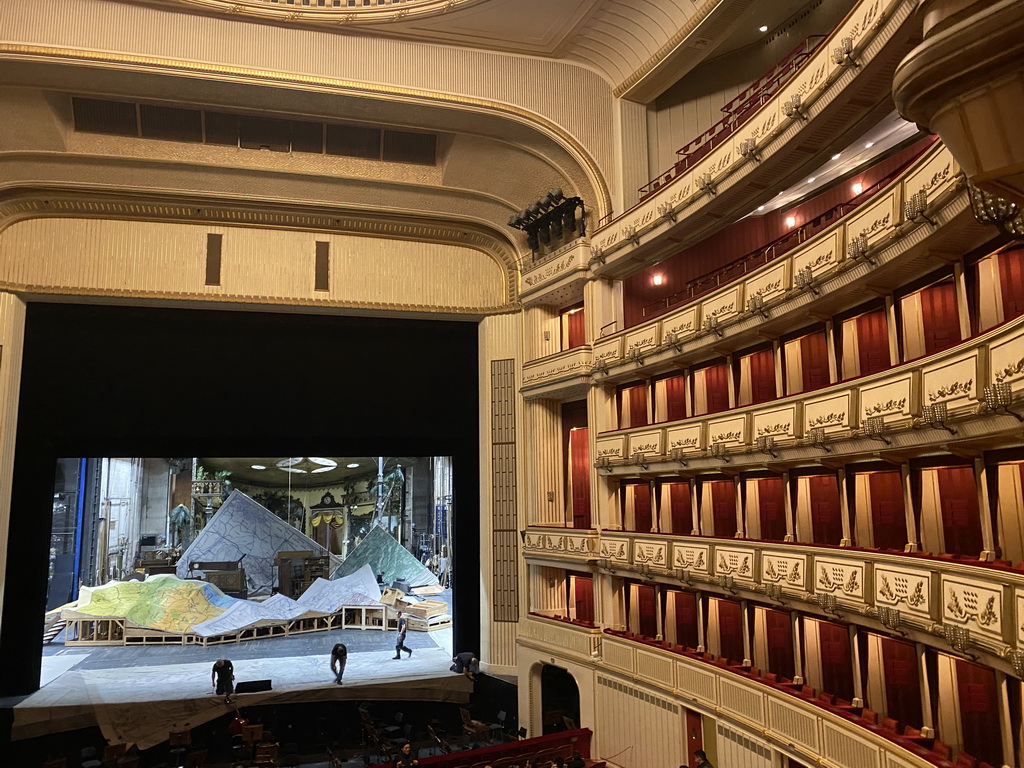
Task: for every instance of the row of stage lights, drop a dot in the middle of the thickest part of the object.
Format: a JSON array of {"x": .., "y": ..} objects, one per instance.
[{"x": 550, "y": 218}]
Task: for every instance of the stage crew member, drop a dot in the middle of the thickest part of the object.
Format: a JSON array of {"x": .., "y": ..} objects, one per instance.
[
  {"x": 223, "y": 679},
  {"x": 400, "y": 642},
  {"x": 339, "y": 655},
  {"x": 465, "y": 663}
]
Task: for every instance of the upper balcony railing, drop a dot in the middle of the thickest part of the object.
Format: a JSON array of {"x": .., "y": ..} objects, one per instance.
[
  {"x": 737, "y": 112},
  {"x": 780, "y": 246},
  {"x": 837, "y": 86}
]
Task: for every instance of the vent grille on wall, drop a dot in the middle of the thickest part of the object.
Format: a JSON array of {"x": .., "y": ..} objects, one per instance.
[
  {"x": 636, "y": 693},
  {"x": 504, "y": 522},
  {"x": 147, "y": 121}
]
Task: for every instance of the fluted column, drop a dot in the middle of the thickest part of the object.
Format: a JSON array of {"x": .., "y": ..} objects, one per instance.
[{"x": 965, "y": 82}]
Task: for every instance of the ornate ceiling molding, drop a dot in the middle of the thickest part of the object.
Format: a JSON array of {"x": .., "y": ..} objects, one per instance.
[
  {"x": 317, "y": 83},
  {"x": 345, "y": 15},
  {"x": 36, "y": 203}
]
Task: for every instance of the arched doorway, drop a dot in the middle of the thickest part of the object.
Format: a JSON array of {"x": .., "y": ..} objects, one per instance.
[{"x": 560, "y": 699}]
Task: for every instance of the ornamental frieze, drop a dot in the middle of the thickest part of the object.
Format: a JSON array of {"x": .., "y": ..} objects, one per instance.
[
  {"x": 783, "y": 569},
  {"x": 691, "y": 557},
  {"x": 648, "y": 552},
  {"x": 735, "y": 562},
  {"x": 907, "y": 589},
  {"x": 615, "y": 549},
  {"x": 839, "y": 577},
  {"x": 951, "y": 390},
  {"x": 827, "y": 419},
  {"x": 889, "y": 406},
  {"x": 773, "y": 429},
  {"x": 551, "y": 270},
  {"x": 972, "y": 604}
]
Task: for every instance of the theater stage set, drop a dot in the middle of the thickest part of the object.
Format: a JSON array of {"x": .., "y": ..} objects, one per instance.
[{"x": 134, "y": 657}]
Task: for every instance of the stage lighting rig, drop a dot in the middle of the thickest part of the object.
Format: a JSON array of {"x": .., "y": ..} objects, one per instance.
[{"x": 550, "y": 219}]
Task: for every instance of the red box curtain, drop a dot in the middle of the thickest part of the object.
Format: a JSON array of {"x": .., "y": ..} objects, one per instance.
[
  {"x": 682, "y": 511},
  {"x": 814, "y": 361},
  {"x": 958, "y": 498},
  {"x": 723, "y": 506},
  {"x": 675, "y": 398},
  {"x": 872, "y": 342},
  {"x": 579, "y": 460},
  {"x": 584, "y": 598},
  {"x": 762, "y": 376},
  {"x": 1011, "y": 282},
  {"x": 836, "y": 662},
  {"x": 888, "y": 519},
  {"x": 647, "y": 611},
  {"x": 716, "y": 384},
  {"x": 779, "y": 630},
  {"x": 771, "y": 502},
  {"x": 576, "y": 329},
  {"x": 902, "y": 682},
  {"x": 642, "y": 507},
  {"x": 979, "y": 711},
  {"x": 939, "y": 317},
  {"x": 686, "y": 619},
  {"x": 730, "y": 630},
  {"x": 826, "y": 515}
]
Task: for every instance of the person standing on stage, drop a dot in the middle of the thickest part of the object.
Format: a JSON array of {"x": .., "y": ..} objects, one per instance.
[
  {"x": 339, "y": 655},
  {"x": 223, "y": 679},
  {"x": 400, "y": 642}
]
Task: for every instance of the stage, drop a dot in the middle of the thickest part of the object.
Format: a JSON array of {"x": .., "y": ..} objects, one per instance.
[{"x": 138, "y": 694}]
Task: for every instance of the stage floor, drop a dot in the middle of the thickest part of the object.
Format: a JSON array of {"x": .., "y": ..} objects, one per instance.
[{"x": 106, "y": 685}]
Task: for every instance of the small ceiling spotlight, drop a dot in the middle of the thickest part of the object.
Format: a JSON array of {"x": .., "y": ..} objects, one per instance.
[
  {"x": 811, "y": 180},
  {"x": 837, "y": 155},
  {"x": 763, "y": 28},
  {"x": 657, "y": 279},
  {"x": 353, "y": 465},
  {"x": 256, "y": 466},
  {"x": 760, "y": 207},
  {"x": 869, "y": 145}
]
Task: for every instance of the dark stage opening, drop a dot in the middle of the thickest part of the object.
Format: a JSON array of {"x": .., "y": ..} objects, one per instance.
[
  {"x": 129, "y": 381},
  {"x": 560, "y": 699}
]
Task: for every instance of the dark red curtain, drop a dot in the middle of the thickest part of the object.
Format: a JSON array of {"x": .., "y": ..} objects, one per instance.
[
  {"x": 872, "y": 342},
  {"x": 779, "y": 631},
  {"x": 723, "y": 507},
  {"x": 642, "y": 507},
  {"x": 648, "y": 612},
  {"x": 939, "y": 317},
  {"x": 681, "y": 511},
  {"x": 979, "y": 711},
  {"x": 637, "y": 405},
  {"x": 902, "y": 683},
  {"x": 576, "y": 331},
  {"x": 771, "y": 502},
  {"x": 888, "y": 520},
  {"x": 836, "y": 661},
  {"x": 716, "y": 380},
  {"x": 826, "y": 515},
  {"x": 762, "y": 376},
  {"x": 814, "y": 361},
  {"x": 1011, "y": 282},
  {"x": 686, "y": 619},
  {"x": 958, "y": 498},
  {"x": 730, "y": 629},
  {"x": 579, "y": 459},
  {"x": 584, "y": 598},
  {"x": 675, "y": 398}
]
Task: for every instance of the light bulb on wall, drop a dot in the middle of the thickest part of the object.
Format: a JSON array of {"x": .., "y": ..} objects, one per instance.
[
  {"x": 791, "y": 221},
  {"x": 858, "y": 188},
  {"x": 658, "y": 279}
]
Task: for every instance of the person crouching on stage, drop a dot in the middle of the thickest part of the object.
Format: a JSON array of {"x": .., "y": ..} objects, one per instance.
[
  {"x": 339, "y": 655},
  {"x": 400, "y": 642},
  {"x": 404, "y": 759},
  {"x": 465, "y": 663},
  {"x": 223, "y": 679}
]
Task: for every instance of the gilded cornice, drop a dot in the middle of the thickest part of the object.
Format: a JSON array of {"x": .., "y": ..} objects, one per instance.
[
  {"x": 323, "y": 84},
  {"x": 40, "y": 203},
  {"x": 345, "y": 16}
]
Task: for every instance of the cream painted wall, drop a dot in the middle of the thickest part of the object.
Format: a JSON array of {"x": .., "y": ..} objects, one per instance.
[
  {"x": 263, "y": 266},
  {"x": 12, "y": 335},
  {"x": 500, "y": 338}
]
